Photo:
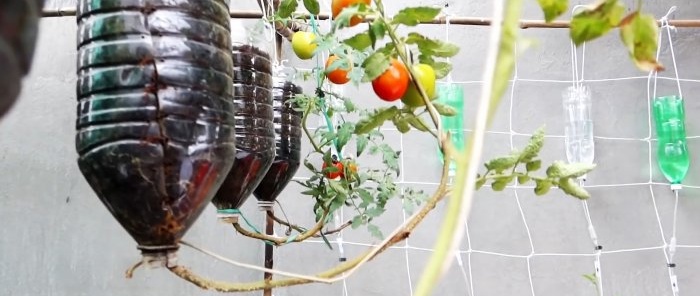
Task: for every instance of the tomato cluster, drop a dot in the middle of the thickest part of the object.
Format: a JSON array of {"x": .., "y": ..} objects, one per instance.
[{"x": 340, "y": 171}]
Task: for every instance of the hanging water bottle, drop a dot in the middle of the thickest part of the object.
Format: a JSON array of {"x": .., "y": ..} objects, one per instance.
[
  {"x": 578, "y": 124},
  {"x": 672, "y": 149}
]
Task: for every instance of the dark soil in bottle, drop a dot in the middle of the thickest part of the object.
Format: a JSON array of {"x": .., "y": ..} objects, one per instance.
[
  {"x": 287, "y": 143},
  {"x": 156, "y": 122},
  {"x": 255, "y": 130},
  {"x": 19, "y": 25}
]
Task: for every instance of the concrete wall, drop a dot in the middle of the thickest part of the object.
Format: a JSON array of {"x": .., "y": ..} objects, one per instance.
[{"x": 57, "y": 239}]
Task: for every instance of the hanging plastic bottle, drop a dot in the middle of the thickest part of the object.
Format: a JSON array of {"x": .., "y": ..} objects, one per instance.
[
  {"x": 578, "y": 128},
  {"x": 452, "y": 94},
  {"x": 255, "y": 133},
  {"x": 155, "y": 123},
  {"x": 672, "y": 147},
  {"x": 288, "y": 135}
]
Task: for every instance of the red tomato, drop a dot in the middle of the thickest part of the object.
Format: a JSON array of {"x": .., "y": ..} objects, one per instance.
[{"x": 393, "y": 83}]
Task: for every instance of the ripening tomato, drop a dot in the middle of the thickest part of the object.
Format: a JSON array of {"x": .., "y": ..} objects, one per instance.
[
  {"x": 335, "y": 174},
  {"x": 393, "y": 83},
  {"x": 339, "y": 75},
  {"x": 350, "y": 169},
  {"x": 337, "y": 7},
  {"x": 425, "y": 75}
]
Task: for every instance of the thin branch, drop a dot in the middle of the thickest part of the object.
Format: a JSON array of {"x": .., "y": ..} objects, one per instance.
[
  {"x": 330, "y": 275},
  {"x": 301, "y": 229},
  {"x": 132, "y": 269},
  {"x": 278, "y": 241}
]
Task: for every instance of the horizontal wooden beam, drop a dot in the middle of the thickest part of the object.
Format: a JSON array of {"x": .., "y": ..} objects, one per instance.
[{"x": 463, "y": 21}]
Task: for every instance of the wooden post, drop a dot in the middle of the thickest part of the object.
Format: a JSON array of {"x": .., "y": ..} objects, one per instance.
[{"x": 269, "y": 251}]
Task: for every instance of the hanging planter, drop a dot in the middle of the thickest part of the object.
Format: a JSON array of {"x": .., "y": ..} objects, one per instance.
[
  {"x": 255, "y": 134},
  {"x": 19, "y": 24},
  {"x": 155, "y": 127},
  {"x": 287, "y": 142}
]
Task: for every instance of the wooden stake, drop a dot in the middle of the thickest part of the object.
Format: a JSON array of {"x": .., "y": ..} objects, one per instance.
[{"x": 269, "y": 252}]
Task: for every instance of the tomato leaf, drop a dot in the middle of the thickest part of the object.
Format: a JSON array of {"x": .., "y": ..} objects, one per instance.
[
  {"x": 362, "y": 143},
  {"x": 533, "y": 147},
  {"x": 359, "y": 41},
  {"x": 344, "y": 134},
  {"x": 287, "y": 7},
  {"x": 375, "y": 65},
  {"x": 640, "y": 34},
  {"x": 442, "y": 69},
  {"x": 375, "y": 120},
  {"x": 560, "y": 169},
  {"x": 553, "y": 8},
  {"x": 417, "y": 122},
  {"x": 596, "y": 21},
  {"x": 432, "y": 47},
  {"x": 570, "y": 187},
  {"x": 501, "y": 164},
  {"x": 415, "y": 15},
  {"x": 533, "y": 165},
  {"x": 312, "y": 6},
  {"x": 444, "y": 110},
  {"x": 401, "y": 124},
  {"x": 542, "y": 187},
  {"x": 377, "y": 31}
]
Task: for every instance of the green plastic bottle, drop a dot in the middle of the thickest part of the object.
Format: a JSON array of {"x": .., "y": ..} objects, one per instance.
[
  {"x": 452, "y": 94},
  {"x": 672, "y": 149}
]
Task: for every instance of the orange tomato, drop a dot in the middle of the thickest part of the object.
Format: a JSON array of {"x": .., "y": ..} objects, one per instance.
[
  {"x": 393, "y": 83},
  {"x": 337, "y": 7},
  {"x": 339, "y": 75}
]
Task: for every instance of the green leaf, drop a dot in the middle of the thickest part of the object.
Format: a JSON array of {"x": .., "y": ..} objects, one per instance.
[
  {"x": 375, "y": 120},
  {"x": 559, "y": 169},
  {"x": 361, "y": 145},
  {"x": 432, "y": 47},
  {"x": 417, "y": 122},
  {"x": 377, "y": 31},
  {"x": 553, "y": 8},
  {"x": 522, "y": 180},
  {"x": 596, "y": 21},
  {"x": 414, "y": 15},
  {"x": 480, "y": 183},
  {"x": 533, "y": 165},
  {"x": 375, "y": 231},
  {"x": 444, "y": 110},
  {"x": 374, "y": 212},
  {"x": 499, "y": 185},
  {"x": 357, "y": 221},
  {"x": 287, "y": 7},
  {"x": 640, "y": 34},
  {"x": 309, "y": 165},
  {"x": 401, "y": 124},
  {"x": 542, "y": 187},
  {"x": 375, "y": 65},
  {"x": 501, "y": 164},
  {"x": 312, "y": 6},
  {"x": 534, "y": 147},
  {"x": 344, "y": 134},
  {"x": 570, "y": 187},
  {"x": 349, "y": 105},
  {"x": 442, "y": 69},
  {"x": 359, "y": 41}
]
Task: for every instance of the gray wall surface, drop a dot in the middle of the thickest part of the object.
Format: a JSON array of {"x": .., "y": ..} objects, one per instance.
[{"x": 58, "y": 239}]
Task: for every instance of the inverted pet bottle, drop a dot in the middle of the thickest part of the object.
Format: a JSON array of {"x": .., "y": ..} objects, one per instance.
[
  {"x": 287, "y": 142},
  {"x": 672, "y": 148},
  {"x": 255, "y": 133},
  {"x": 452, "y": 94},
  {"x": 155, "y": 123},
  {"x": 578, "y": 125}
]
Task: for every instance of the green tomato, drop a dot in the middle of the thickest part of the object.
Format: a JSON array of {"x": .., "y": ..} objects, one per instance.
[
  {"x": 303, "y": 44},
  {"x": 425, "y": 74}
]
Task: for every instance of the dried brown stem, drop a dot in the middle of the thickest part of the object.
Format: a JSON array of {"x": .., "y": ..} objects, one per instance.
[
  {"x": 278, "y": 241},
  {"x": 132, "y": 269},
  {"x": 300, "y": 229},
  {"x": 345, "y": 268}
]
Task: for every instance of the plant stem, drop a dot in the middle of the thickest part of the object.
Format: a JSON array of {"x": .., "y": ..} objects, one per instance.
[
  {"x": 346, "y": 269},
  {"x": 306, "y": 129},
  {"x": 452, "y": 229}
]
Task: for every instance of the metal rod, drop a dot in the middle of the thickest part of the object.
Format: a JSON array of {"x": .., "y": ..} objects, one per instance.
[
  {"x": 466, "y": 21},
  {"x": 269, "y": 252}
]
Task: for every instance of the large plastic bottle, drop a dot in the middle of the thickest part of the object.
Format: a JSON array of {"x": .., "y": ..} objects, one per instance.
[
  {"x": 578, "y": 129},
  {"x": 672, "y": 148},
  {"x": 452, "y": 94}
]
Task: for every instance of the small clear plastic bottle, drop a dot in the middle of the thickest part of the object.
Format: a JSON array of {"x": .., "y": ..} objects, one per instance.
[{"x": 578, "y": 129}]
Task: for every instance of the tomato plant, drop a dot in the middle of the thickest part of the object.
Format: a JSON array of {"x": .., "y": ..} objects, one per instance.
[
  {"x": 337, "y": 7},
  {"x": 425, "y": 75},
  {"x": 334, "y": 170},
  {"x": 303, "y": 44}
]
